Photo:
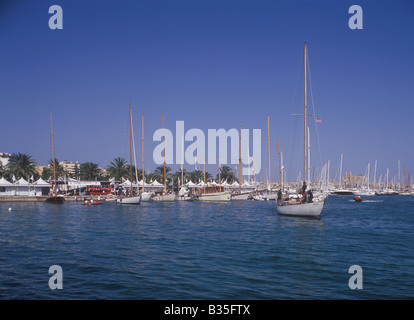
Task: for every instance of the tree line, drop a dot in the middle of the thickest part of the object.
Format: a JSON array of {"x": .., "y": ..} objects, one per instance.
[{"x": 23, "y": 166}]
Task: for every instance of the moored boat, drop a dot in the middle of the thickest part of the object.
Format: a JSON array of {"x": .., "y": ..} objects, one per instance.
[
  {"x": 214, "y": 193},
  {"x": 303, "y": 204}
]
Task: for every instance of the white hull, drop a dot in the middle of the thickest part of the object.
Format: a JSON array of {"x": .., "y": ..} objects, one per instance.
[
  {"x": 184, "y": 198},
  {"x": 313, "y": 209},
  {"x": 216, "y": 196},
  {"x": 259, "y": 197},
  {"x": 163, "y": 197},
  {"x": 146, "y": 196},
  {"x": 240, "y": 196},
  {"x": 130, "y": 200},
  {"x": 271, "y": 196}
]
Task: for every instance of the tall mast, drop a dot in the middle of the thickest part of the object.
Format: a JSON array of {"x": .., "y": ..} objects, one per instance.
[
  {"x": 305, "y": 116},
  {"x": 165, "y": 181},
  {"x": 204, "y": 172},
  {"x": 340, "y": 173},
  {"x": 182, "y": 161},
  {"x": 280, "y": 168},
  {"x": 309, "y": 155},
  {"x": 219, "y": 174},
  {"x": 143, "y": 172},
  {"x": 130, "y": 145},
  {"x": 240, "y": 159},
  {"x": 135, "y": 154},
  {"x": 268, "y": 147},
  {"x": 53, "y": 154}
]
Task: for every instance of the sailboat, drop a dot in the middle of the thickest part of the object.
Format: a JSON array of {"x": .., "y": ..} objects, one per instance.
[
  {"x": 297, "y": 206},
  {"x": 165, "y": 195},
  {"x": 214, "y": 193},
  {"x": 131, "y": 198},
  {"x": 239, "y": 195},
  {"x": 54, "y": 197},
  {"x": 145, "y": 196},
  {"x": 183, "y": 193}
]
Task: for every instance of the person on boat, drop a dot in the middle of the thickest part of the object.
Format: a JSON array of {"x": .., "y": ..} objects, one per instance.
[
  {"x": 279, "y": 196},
  {"x": 309, "y": 196},
  {"x": 303, "y": 190}
]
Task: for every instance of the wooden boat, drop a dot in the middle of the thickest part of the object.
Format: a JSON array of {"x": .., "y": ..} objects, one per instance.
[
  {"x": 298, "y": 206},
  {"x": 239, "y": 195},
  {"x": 214, "y": 193},
  {"x": 54, "y": 198}
]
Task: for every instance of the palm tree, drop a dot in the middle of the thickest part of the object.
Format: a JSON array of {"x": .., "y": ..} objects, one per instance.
[
  {"x": 90, "y": 171},
  {"x": 159, "y": 174},
  {"x": 21, "y": 165},
  {"x": 2, "y": 169},
  {"x": 227, "y": 174},
  {"x": 48, "y": 171},
  {"x": 196, "y": 176},
  {"x": 118, "y": 168}
]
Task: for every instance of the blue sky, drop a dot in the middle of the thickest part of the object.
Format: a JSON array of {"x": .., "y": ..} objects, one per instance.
[{"x": 214, "y": 64}]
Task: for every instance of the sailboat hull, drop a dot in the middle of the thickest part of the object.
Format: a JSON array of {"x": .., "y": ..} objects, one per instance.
[
  {"x": 164, "y": 197},
  {"x": 55, "y": 199},
  {"x": 130, "y": 200},
  {"x": 215, "y": 196},
  {"x": 313, "y": 209},
  {"x": 146, "y": 196},
  {"x": 241, "y": 196}
]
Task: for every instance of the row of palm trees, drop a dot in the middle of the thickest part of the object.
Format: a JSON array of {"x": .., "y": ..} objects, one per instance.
[{"x": 23, "y": 166}]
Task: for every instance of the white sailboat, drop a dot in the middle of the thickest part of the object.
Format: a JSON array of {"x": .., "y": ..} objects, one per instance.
[
  {"x": 165, "y": 196},
  {"x": 297, "y": 206},
  {"x": 131, "y": 198},
  {"x": 54, "y": 197}
]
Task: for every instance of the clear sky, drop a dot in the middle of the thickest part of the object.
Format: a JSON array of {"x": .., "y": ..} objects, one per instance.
[{"x": 213, "y": 64}]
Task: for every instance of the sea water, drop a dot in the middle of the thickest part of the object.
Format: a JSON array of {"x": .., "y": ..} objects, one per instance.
[{"x": 199, "y": 250}]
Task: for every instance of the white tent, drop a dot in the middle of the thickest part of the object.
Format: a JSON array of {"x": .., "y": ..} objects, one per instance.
[
  {"x": 42, "y": 183},
  {"x": 22, "y": 182},
  {"x": 5, "y": 183},
  {"x": 191, "y": 184}
]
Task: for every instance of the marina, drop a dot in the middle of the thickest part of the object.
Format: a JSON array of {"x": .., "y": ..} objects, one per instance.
[{"x": 253, "y": 178}]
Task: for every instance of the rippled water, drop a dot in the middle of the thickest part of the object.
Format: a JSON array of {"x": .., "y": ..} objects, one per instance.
[{"x": 197, "y": 250}]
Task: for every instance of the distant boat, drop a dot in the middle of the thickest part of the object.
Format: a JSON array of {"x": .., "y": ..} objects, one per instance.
[
  {"x": 298, "y": 206},
  {"x": 343, "y": 192},
  {"x": 358, "y": 199},
  {"x": 214, "y": 193},
  {"x": 165, "y": 196},
  {"x": 131, "y": 198},
  {"x": 239, "y": 195},
  {"x": 54, "y": 197}
]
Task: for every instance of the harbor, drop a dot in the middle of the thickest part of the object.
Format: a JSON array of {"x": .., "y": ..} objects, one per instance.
[{"x": 217, "y": 152}]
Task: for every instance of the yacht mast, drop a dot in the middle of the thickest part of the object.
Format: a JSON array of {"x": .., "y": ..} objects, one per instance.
[
  {"x": 305, "y": 114},
  {"x": 53, "y": 154},
  {"x": 143, "y": 172}
]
